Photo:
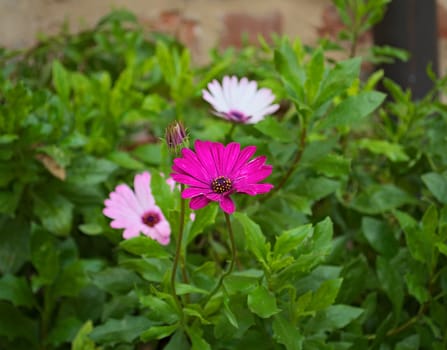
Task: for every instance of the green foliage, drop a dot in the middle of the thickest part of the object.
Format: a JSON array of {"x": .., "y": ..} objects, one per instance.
[{"x": 348, "y": 251}]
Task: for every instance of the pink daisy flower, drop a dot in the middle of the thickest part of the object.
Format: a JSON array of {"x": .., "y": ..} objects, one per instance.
[
  {"x": 214, "y": 172},
  {"x": 240, "y": 101},
  {"x": 137, "y": 212}
]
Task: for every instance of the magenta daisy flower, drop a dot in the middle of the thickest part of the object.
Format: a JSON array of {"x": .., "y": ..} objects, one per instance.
[
  {"x": 214, "y": 172},
  {"x": 137, "y": 212},
  {"x": 240, "y": 101}
]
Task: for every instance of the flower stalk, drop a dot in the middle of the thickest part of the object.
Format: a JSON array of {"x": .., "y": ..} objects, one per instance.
[
  {"x": 232, "y": 261},
  {"x": 177, "y": 257}
]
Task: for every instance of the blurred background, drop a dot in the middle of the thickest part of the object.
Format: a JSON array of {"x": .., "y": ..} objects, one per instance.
[{"x": 205, "y": 24}]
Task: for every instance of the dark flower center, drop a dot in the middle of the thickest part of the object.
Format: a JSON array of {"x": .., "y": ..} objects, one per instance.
[
  {"x": 150, "y": 218},
  {"x": 237, "y": 116},
  {"x": 221, "y": 184}
]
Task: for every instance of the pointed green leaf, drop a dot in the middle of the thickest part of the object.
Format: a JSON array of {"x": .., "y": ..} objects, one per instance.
[
  {"x": 253, "y": 235},
  {"x": 437, "y": 184},
  {"x": 262, "y": 302},
  {"x": 284, "y": 332},
  {"x": 353, "y": 109}
]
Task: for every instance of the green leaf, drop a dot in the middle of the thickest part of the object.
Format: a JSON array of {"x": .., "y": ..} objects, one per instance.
[
  {"x": 242, "y": 281},
  {"x": 289, "y": 240},
  {"x": 9, "y": 200},
  {"x": 353, "y": 109},
  {"x": 16, "y": 290},
  {"x": 409, "y": 343},
  {"x": 61, "y": 80},
  {"x": 393, "y": 151},
  {"x": 125, "y": 160},
  {"x": 391, "y": 282},
  {"x": 317, "y": 187},
  {"x": 196, "y": 336},
  {"x": 437, "y": 184},
  {"x": 158, "y": 332},
  {"x": 284, "y": 332},
  {"x": 144, "y": 246},
  {"x": 88, "y": 170},
  {"x": 15, "y": 246},
  {"x": 91, "y": 229},
  {"x": 55, "y": 212},
  {"x": 378, "y": 199},
  {"x": 262, "y": 302},
  {"x": 420, "y": 244},
  {"x": 183, "y": 288},
  {"x": 44, "y": 256},
  {"x": 253, "y": 235},
  {"x": 14, "y": 324},
  {"x": 322, "y": 237},
  {"x": 380, "y": 236},
  {"x": 333, "y": 165},
  {"x": 8, "y": 138},
  {"x": 229, "y": 314},
  {"x": 272, "y": 128},
  {"x": 314, "y": 75},
  {"x": 71, "y": 280},
  {"x": 442, "y": 247},
  {"x": 125, "y": 330},
  {"x": 149, "y": 153},
  {"x": 339, "y": 79},
  {"x": 160, "y": 310},
  {"x": 115, "y": 280},
  {"x": 416, "y": 286},
  {"x": 203, "y": 218},
  {"x": 178, "y": 342},
  {"x": 64, "y": 331},
  {"x": 334, "y": 317},
  {"x": 325, "y": 295}
]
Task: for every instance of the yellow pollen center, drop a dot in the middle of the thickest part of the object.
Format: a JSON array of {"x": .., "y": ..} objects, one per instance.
[{"x": 221, "y": 184}]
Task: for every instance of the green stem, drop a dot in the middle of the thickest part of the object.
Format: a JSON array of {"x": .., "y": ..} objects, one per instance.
[
  {"x": 178, "y": 253},
  {"x": 233, "y": 258},
  {"x": 295, "y": 162},
  {"x": 229, "y": 135}
]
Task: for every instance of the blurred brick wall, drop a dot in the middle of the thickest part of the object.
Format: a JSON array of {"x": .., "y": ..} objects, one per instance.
[{"x": 200, "y": 24}]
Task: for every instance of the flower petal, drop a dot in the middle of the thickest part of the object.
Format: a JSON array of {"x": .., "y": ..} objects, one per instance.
[
  {"x": 198, "y": 202},
  {"x": 227, "y": 205}
]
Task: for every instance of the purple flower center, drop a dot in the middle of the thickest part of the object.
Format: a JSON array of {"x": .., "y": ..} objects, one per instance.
[
  {"x": 150, "y": 218},
  {"x": 237, "y": 116},
  {"x": 221, "y": 184}
]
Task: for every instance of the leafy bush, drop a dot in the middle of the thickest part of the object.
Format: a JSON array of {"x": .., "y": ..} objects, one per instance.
[{"x": 348, "y": 250}]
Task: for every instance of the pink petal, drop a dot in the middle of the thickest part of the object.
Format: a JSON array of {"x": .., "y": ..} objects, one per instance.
[
  {"x": 193, "y": 192},
  {"x": 205, "y": 156},
  {"x": 198, "y": 202},
  {"x": 131, "y": 201},
  {"x": 227, "y": 205},
  {"x": 189, "y": 180},
  {"x": 230, "y": 156},
  {"x": 254, "y": 189},
  {"x": 244, "y": 155},
  {"x": 143, "y": 190},
  {"x": 131, "y": 232}
]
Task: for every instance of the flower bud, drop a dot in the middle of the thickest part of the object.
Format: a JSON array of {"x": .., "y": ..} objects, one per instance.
[{"x": 176, "y": 137}]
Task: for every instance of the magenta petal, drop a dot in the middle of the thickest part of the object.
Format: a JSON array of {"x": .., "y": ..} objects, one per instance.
[
  {"x": 198, "y": 202},
  {"x": 244, "y": 155},
  {"x": 227, "y": 205},
  {"x": 230, "y": 156},
  {"x": 205, "y": 155},
  {"x": 254, "y": 189},
  {"x": 191, "y": 192}
]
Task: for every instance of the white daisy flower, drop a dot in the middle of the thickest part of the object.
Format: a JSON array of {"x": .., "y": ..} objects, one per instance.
[{"x": 240, "y": 101}]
